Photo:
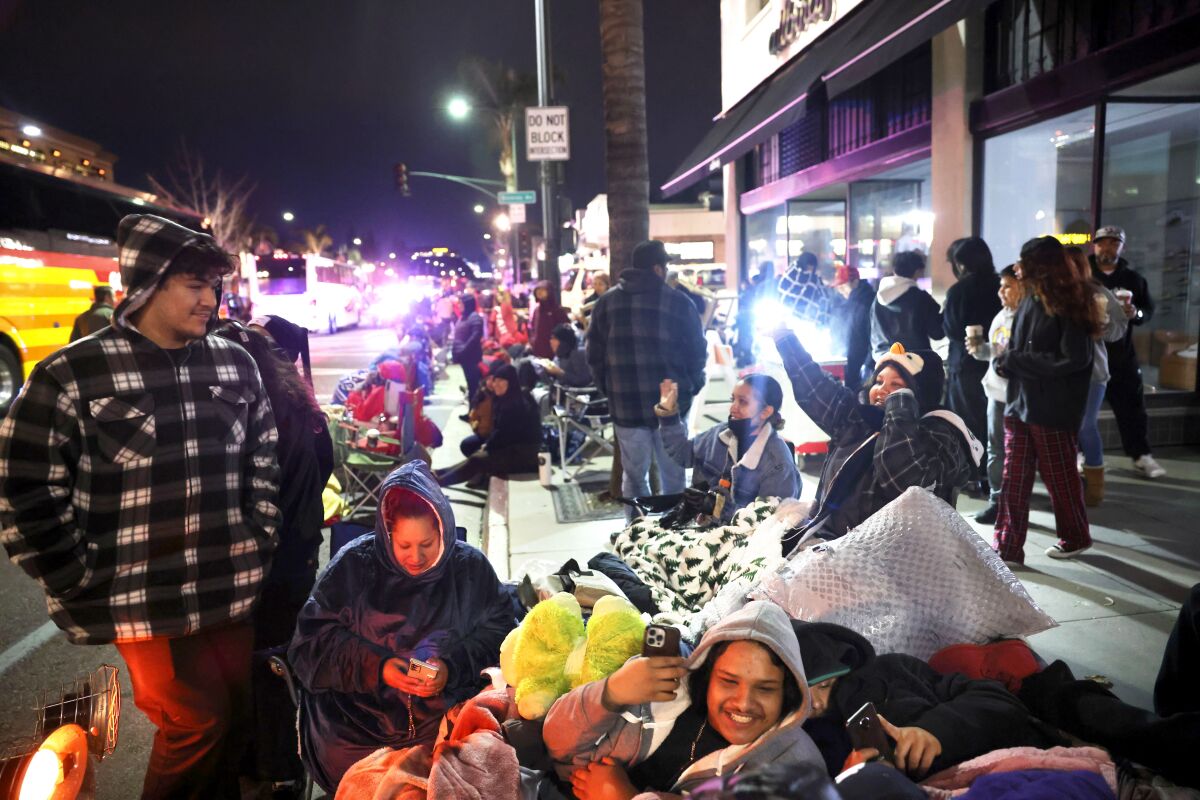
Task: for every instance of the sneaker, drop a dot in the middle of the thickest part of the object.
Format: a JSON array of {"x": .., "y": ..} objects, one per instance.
[
  {"x": 988, "y": 515},
  {"x": 1149, "y": 467},
  {"x": 1057, "y": 551}
]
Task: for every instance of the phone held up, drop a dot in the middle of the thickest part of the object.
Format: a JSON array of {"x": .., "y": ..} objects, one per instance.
[
  {"x": 422, "y": 670},
  {"x": 867, "y": 732},
  {"x": 660, "y": 640}
]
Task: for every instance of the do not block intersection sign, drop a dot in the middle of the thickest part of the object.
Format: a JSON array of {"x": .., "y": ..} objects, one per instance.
[{"x": 547, "y": 133}]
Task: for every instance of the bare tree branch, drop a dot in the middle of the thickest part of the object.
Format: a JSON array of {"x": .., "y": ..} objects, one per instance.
[{"x": 223, "y": 205}]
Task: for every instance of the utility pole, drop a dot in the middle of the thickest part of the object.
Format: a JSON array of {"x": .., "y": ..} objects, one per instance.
[{"x": 547, "y": 169}]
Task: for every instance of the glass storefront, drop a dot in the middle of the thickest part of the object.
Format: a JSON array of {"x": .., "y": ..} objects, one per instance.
[
  {"x": 889, "y": 214},
  {"x": 776, "y": 237}
]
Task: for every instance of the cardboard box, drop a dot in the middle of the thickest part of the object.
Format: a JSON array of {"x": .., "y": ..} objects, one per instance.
[{"x": 1177, "y": 371}]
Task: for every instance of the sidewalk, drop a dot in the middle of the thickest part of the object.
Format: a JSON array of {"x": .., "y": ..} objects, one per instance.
[{"x": 1115, "y": 606}]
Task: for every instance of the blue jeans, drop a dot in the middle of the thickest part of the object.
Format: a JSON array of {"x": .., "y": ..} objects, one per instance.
[
  {"x": 995, "y": 449},
  {"x": 1090, "y": 443},
  {"x": 638, "y": 447}
]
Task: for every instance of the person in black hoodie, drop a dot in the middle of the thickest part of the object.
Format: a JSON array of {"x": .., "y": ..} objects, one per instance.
[
  {"x": 305, "y": 452},
  {"x": 973, "y": 300},
  {"x": 514, "y": 441},
  {"x": 852, "y": 323},
  {"x": 903, "y": 312},
  {"x": 1048, "y": 364},
  {"x": 935, "y": 721},
  {"x": 467, "y": 350}
]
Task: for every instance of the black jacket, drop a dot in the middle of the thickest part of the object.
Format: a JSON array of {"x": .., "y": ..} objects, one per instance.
[
  {"x": 515, "y": 422},
  {"x": 1048, "y": 364},
  {"x": 974, "y": 300},
  {"x": 468, "y": 340},
  {"x": 904, "y": 313},
  {"x": 852, "y": 327},
  {"x": 305, "y": 452},
  {"x": 1121, "y": 352},
  {"x": 968, "y": 717}
]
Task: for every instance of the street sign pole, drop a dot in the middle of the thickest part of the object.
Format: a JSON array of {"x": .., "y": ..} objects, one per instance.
[{"x": 549, "y": 193}]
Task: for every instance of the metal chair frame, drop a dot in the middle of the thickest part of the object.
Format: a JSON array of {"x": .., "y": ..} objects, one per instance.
[
  {"x": 582, "y": 409},
  {"x": 362, "y": 469}
]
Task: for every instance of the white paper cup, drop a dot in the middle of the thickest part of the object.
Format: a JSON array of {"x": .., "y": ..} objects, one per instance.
[
  {"x": 1124, "y": 295},
  {"x": 544, "y": 469},
  {"x": 975, "y": 333}
]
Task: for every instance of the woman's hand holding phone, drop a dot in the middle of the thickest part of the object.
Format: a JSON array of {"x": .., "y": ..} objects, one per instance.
[
  {"x": 396, "y": 674},
  {"x": 644, "y": 680}
]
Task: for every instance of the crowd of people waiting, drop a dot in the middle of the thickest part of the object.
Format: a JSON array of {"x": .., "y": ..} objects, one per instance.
[{"x": 161, "y": 478}]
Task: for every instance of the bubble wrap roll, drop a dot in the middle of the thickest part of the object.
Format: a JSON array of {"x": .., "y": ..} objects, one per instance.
[{"x": 913, "y": 578}]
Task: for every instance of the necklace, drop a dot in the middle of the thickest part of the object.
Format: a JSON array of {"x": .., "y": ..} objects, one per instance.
[{"x": 696, "y": 741}]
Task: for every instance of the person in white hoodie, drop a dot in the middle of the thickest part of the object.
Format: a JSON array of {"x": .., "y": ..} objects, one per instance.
[
  {"x": 903, "y": 312},
  {"x": 995, "y": 387}
]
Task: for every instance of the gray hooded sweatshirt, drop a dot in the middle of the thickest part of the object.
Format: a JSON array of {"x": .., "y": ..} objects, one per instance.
[{"x": 579, "y": 729}]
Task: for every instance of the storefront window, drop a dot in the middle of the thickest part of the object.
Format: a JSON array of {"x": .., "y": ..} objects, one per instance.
[
  {"x": 1038, "y": 182},
  {"x": 888, "y": 215},
  {"x": 766, "y": 242},
  {"x": 1152, "y": 190}
]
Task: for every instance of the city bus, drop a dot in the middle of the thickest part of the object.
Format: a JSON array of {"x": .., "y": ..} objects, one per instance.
[
  {"x": 57, "y": 243},
  {"x": 314, "y": 292}
]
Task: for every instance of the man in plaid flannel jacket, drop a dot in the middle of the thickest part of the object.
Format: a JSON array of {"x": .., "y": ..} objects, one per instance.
[
  {"x": 641, "y": 332},
  {"x": 138, "y": 486}
]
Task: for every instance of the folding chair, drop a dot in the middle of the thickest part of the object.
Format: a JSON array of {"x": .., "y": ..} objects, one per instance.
[
  {"x": 366, "y": 464},
  {"x": 279, "y": 666},
  {"x": 582, "y": 409}
]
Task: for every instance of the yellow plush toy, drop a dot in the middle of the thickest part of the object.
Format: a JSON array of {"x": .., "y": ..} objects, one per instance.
[{"x": 550, "y": 652}]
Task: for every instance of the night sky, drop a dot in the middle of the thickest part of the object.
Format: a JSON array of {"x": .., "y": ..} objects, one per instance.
[{"x": 316, "y": 101}]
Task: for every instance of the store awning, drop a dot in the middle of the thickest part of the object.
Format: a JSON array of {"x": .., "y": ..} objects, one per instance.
[{"x": 868, "y": 40}]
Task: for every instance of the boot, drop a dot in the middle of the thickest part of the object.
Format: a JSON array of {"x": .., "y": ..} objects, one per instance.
[{"x": 1093, "y": 486}]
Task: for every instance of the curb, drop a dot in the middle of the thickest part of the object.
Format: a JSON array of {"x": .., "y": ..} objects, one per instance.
[{"x": 494, "y": 533}]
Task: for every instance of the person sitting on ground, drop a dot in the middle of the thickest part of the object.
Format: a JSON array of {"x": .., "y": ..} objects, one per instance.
[
  {"x": 569, "y": 367},
  {"x": 746, "y": 450},
  {"x": 646, "y": 728},
  {"x": 481, "y": 416},
  {"x": 903, "y": 312},
  {"x": 515, "y": 439},
  {"x": 899, "y": 437},
  {"x": 935, "y": 721},
  {"x": 409, "y": 590}
]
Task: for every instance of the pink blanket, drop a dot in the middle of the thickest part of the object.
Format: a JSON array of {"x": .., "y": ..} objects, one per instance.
[
  {"x": 474, "y": 763},
  {"x": 957, "y": 780}
]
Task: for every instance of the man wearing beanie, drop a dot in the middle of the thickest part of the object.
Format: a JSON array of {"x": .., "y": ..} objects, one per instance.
[
  {"x": 899, "y": 437},
  {"x": 138, "y": 484}
]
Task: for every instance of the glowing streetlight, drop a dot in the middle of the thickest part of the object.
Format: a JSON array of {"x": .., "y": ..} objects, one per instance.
[
  {"x": 392, "y": 256},
  {"x": 502, "y": 223},
  {"x": 288, "y": 216},
  {"x": 31, "y": 130},
  {"x": 357, "y": 241},
  {"x": 479, "y": 208},
  {"x": 487, "y": 236},
  {"x": 458, "y": 108}
]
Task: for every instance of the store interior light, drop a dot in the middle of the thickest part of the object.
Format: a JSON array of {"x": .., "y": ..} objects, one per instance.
[{"x": 56, "y": 153}]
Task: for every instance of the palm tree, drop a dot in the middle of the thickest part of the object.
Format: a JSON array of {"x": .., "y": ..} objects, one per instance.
[
  {"x": 627, "y": 170},
  {"x": 504, "y": 93},
  {"x": 315, "y": 242}
]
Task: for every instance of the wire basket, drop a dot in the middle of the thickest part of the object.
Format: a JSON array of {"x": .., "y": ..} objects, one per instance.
[{"x": 91, "y": 701}]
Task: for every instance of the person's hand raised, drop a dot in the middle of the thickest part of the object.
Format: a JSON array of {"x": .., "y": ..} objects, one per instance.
[{"x": 644, "y": 680}]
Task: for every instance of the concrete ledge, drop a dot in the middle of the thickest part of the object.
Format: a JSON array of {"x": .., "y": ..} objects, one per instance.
[{"x": 494, "y": 531}]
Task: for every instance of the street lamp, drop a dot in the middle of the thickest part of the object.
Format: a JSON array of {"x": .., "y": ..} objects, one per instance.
[
  {"x": 31, "y": 130},
  {"x": 479, "y": 208},
  {"x": 458, "y": 107},
  {"x": 357, "y": 241},
  {"x": 487, "y": 236},
  {"x": 288, "y": 216},
  {"x": 502, "y": 223},
  {"x": 392, "y": 256}
]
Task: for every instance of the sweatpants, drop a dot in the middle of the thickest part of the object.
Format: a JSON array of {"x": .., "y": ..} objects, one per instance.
[
  {"x": 1127, "y": 397},
  {"x": 995, "y": 449},
  {"x": 1029, "y": 449},
  {"x": 196, "y": 691}
]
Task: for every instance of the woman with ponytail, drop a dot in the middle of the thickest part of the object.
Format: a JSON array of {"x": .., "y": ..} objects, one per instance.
[
  {"x": 1048, "y": 364},
  {"x": 747, "y": 449}
]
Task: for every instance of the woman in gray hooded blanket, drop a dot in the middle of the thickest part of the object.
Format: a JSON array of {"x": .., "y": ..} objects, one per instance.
[{"x": 666, "y": 725}]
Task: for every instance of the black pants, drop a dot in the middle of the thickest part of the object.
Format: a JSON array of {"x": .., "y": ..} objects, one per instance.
[
  {"x": 965, "y": 396},
  {"x": 501, "y": 463},
  {"x": 470, "y": 445},
  {"x": 1177, "y": 689},
  {"x": 473, "y": 374},
  {"x": 1127, "y": 398}
]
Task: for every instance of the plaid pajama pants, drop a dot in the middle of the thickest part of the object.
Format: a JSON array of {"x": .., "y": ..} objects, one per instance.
[{"x": 1050, "y": 451}]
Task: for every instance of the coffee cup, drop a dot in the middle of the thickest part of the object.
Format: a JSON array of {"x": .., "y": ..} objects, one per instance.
[
  {"x": 975, "y": 333},
  {"x": 1124, "y": 295},
  {"x": 544, "y": 469}
]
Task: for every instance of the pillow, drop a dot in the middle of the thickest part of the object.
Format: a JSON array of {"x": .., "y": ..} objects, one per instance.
[{"x": 913, "y": 578}]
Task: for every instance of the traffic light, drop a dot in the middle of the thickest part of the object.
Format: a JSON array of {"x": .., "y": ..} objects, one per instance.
[
  {"x": 524, "y": 244},
  {"x": 402, "y": 179}
]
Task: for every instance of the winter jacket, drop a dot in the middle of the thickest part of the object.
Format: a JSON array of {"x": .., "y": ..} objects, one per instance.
[
  {"x": 999, "y": 334},
  {"x": 968, "y": 717},
  {"x": 365, "y": 609},
  {"x": 874, "y": 454},
  {"x": 1048, "y": 364},
  {"x": 516, "y": 421},
  {"x": 580, "y": 729},
  {"x": 141, "y": 492},
  {"x": 904, "y": 313},
  {"x": 96, "y": 318},
  {"x": 467, "y": 349},
  {"x": 804, "y": 295},
  {"x": 1121, "y": 352},
  {"x": 641, "y": 332},
  {"x": 766, "y": 469},
  {"x": 973, "y": 300},
  {"x": 575, "y": 369},
  {"x": 852, "y": 328},
  {"x": 547, "y": 316}
]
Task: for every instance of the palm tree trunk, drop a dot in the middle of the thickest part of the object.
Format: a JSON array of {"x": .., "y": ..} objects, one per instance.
[{"x": 622, "y": 45}]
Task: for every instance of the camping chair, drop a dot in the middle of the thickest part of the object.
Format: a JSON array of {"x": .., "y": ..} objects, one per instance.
[
  {"x": 278, "y": 665},
  {"x": 582, "y": 409},
  {"x": 366, "y": 460}
]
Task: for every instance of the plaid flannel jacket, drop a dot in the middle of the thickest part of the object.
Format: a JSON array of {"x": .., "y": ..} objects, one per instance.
[
  {"x": 641, "y": 332},
  {"x": 139, "y": 488}
]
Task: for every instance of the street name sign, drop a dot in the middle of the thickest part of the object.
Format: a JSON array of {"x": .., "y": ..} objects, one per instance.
[
  {"x": 547, "y": 133},
  {"x": 517, "y": 198}
]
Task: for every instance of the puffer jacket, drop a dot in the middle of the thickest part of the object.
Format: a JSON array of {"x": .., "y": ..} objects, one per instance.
[
  {"x": 139, "y": 485},
  {"x": 874, "y": 454},
  {"x": 365, "y": 609},
  {"x": 766, "y": 469},
  {"x": 579, "y": 729}
]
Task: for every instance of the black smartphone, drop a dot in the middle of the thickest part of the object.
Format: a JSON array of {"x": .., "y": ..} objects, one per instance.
[
  {"x": 866, "y": 731},
  {"x": 660, "y": 640}
]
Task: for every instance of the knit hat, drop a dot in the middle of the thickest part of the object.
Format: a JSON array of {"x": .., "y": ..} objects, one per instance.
[
  {"x": 922, "y": 372},
  {"x": 290, "y": 337},
  {"x": 828, "y": 650}
]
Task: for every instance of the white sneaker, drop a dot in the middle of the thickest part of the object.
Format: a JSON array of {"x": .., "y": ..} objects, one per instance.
[{"x": 1149, "y": 467}]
